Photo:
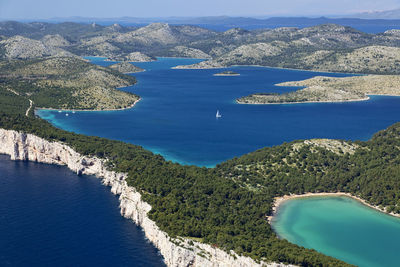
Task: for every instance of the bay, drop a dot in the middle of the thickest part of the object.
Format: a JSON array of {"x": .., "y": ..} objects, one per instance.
[{"x": 176, "y": 116}]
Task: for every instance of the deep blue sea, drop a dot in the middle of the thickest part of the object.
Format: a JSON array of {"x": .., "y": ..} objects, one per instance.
[
  {"x": 49, "y": 216},
  {"x": 176, "y": 116}
]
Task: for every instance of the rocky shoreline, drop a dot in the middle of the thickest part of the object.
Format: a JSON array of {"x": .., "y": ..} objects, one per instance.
[
  {"x": 69, "y": 110},
  {"x": 176, "y": 252}
]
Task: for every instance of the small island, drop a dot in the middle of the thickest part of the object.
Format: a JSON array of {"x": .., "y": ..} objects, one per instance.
[{"x": 227, "y": 73}]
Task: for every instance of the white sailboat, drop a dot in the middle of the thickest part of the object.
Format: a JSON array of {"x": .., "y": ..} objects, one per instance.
[{"x": 218, "y": 115}]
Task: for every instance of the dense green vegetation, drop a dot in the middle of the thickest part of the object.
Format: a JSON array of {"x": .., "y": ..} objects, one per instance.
[{"x": 11, "y": 103}]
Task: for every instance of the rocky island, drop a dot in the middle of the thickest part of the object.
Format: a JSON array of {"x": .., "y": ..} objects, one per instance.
[
  {"x": 227, "y": 73},
  {"x": 329, "y": 89}
]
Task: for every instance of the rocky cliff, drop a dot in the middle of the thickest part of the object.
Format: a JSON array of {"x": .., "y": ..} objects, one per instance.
[{"x": 176, "y": 252}]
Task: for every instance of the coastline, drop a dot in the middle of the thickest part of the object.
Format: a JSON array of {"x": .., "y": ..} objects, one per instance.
[
  {"x": 281, "y": 68},
  {"x": 177, "y": 252},
  {"x": 278, "y": 201},
  {"x": 79, "y": 110},
  {"x": 226, "y": 74},
  {"x": 310, "y": 70},
  {"x": 309, "y": 102},
  {"x": 132, "y": 73}
]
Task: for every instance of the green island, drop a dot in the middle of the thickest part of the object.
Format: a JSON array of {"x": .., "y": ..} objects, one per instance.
[{"x": 228, "y": 206}]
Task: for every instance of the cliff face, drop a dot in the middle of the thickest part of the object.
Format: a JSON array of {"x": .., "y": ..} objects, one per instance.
[{"x": 176, "y": 252}]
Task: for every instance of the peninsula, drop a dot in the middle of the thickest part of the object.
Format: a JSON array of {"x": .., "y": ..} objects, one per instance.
[
  {"x": 329, "y": 89},
  {"x": 126, "y": 67},
  {"x": 67, "y": 83}
]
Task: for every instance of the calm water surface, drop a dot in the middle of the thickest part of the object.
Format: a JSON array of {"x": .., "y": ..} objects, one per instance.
[
  {"x": 341, "y": 227},
  {"x": 49, "y": 216}
]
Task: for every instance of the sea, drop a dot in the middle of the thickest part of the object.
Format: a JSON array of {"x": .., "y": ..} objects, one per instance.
[{"x": 49, "y": 216}]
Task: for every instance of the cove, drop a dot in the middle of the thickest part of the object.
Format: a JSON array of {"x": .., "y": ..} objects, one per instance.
[
  {"x": 176, "y": 116},
  {"x": 340, "y": 227},
  {"x": 52, "y": 217}
]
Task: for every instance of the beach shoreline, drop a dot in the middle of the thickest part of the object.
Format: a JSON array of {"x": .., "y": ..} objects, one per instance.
[{"x": 278, "y": 201}]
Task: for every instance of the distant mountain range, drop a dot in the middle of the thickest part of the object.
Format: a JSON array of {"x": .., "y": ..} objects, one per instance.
[{"x": 223, "y": 23}]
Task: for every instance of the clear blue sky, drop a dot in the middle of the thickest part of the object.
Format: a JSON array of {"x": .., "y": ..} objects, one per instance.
[{"x": 41, "y": 9}]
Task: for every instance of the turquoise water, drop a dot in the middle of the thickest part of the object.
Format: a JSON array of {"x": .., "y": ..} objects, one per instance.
[
  {"x": 176, "y": 116},
  {"x": 341, "y": 227}
]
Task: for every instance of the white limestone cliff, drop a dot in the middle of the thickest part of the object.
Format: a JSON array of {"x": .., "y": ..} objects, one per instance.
[{"x": 176, "y": 252}]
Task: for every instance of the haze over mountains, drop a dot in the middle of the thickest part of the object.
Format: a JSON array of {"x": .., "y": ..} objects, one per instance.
[{"x": 387, "y": 14}]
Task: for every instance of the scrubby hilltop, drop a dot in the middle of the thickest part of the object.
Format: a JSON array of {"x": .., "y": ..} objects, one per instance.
[{"x": 66, "y": 82}]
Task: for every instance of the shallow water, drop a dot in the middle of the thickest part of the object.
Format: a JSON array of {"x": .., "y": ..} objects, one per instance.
[
  {"x": 341, "y": 227},
  {"x": 49, "y": 216},
  {"x": 176, "y": 116}
]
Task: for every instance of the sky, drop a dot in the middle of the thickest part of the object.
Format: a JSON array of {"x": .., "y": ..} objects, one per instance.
[{"x": 44, "y": 9}]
